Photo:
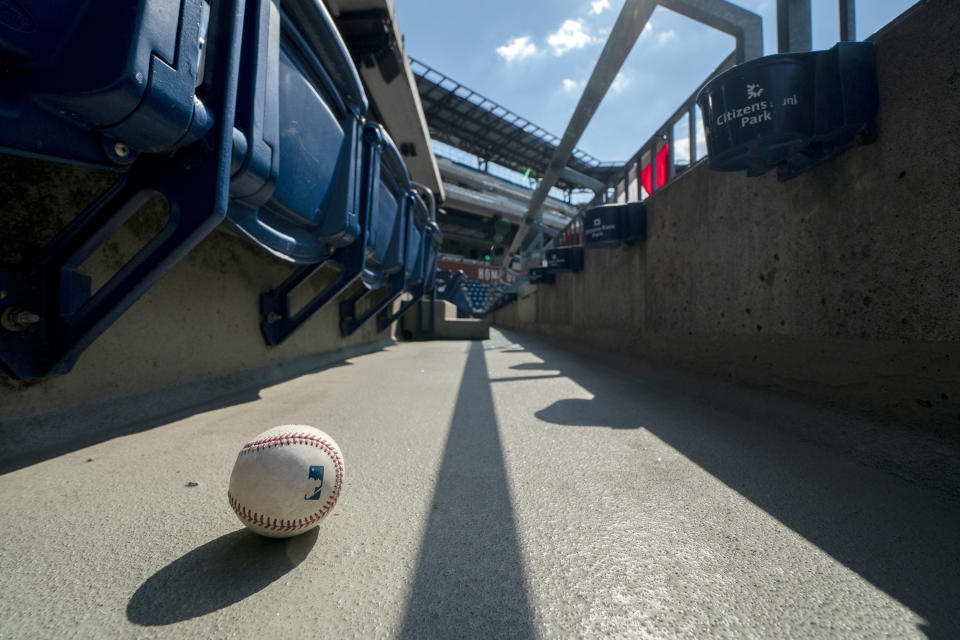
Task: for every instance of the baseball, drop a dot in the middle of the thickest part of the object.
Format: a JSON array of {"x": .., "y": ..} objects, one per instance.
[{"x": 286, "y": 480}]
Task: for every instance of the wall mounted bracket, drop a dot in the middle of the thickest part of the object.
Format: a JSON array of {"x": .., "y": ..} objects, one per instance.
[
  {"x": 385, "y": 319},
  {"x": 278, "y": 322},
  {"x": 350, "y": 321}
]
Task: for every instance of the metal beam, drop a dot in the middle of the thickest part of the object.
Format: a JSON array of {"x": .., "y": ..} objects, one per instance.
[
  {"x": 848, "y": 20},
  {"x": 630, "y": 23},
  {"x": 793, "y": 26},
  {"x": 581, "y": 180},
  {"x": 745, "y": 26},
  {"x": 464, "y": 239}
]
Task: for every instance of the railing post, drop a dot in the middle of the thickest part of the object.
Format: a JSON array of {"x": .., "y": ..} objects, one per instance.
[
  {"x": 671, "y": 170},
  {"x": 653, "y": 164},
  {"x": 793, "y": 26},
  {"x": 848, "y": 20},
  {"x": 692, "y": 122}
]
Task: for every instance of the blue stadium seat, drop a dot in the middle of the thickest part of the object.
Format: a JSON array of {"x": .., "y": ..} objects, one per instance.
[
  {"x": 386, "y": 199},
  {"x": 417, "y": 239},
  {"x": 248, "y": 111},
  {"x": 432, "y": 256},
  {"x": 387, "y": 204},
  {"x": 295, "y": 188},
  {"x": 391, "y": 257},
  {"x": 378, "y": 259},
  {"x": 477, "y": 295},
  {"x": 451, "y": 286},
  {"x": 422, "y": 254},
  {"x": 100, "y": 82}
]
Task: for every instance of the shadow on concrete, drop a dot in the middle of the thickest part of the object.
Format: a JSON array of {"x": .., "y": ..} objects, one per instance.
[
  {"x": 899, "y": 536},
  {"x": 37, "y": 438},
  {"x": 469, "y": 581},
  {"x": 520, "y": 378},
  {"x": 575, "y": 412},
  {"x": 528, "y": 366},
  {"x": 216, "y": 575}
]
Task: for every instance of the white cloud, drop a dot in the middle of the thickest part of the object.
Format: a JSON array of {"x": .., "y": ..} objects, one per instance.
[
  {"x": 599, "y": 6},
  {"x": 570, "y": 86},
  {"x": 666, "y": 36},
  {"x": 517, "y": 49},
  {"x": 569, "y": 36},
  {"x": 620, "y": 82}
]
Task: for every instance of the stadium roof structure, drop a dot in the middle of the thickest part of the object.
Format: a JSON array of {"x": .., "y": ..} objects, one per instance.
[{"x": 462, "y": 118}]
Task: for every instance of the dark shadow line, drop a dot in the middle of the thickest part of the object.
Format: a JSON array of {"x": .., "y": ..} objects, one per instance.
[{"x": 469, "y": 581}]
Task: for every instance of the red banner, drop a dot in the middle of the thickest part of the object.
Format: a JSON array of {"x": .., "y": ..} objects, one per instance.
[{"x": 646, "y": 177}]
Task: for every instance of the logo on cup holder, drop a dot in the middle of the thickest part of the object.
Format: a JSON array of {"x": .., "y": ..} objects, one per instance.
[{"x": 754, "y": 91}]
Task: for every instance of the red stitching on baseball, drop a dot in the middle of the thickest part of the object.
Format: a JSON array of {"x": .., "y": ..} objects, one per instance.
[
  {"x": 275, "y": 524},
  {"x": 279, "y": 441}
]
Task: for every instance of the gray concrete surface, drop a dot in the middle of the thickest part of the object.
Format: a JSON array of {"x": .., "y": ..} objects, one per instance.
[
  {"x": 840, "y": 284},
  {"x": 495, "y": 489}
]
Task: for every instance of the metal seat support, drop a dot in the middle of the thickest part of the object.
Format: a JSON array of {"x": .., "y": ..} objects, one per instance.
[
  {"x": 350, "y": 321},
  {"x": 278, "y": 323}
]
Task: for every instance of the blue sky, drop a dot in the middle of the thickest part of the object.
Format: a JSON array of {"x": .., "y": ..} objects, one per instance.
[{"x": 534, "y": 56}]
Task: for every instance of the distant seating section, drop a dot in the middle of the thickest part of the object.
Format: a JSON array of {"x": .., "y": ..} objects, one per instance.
[
  {"x": 452, "y": 287},
  {"x": 471, "y": 298},
  {"x": 245, "y": 112},
  {"x": 477, "y": 294}
]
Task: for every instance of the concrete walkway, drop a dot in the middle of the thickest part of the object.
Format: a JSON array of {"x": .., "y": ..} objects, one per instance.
[{"x": 496, "y": 489}]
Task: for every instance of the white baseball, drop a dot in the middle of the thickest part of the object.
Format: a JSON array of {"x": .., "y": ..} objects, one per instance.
[{"x": 286, "y": 480}]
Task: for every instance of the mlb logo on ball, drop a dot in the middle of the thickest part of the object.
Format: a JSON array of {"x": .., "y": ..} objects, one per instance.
[{"x": 316, "y": 473}]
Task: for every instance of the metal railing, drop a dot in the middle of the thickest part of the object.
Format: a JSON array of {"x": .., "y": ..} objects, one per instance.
[
  {"x": 793, "y": 17},
  {"x": 793, "y": 26},
  {"x": 646, "y": 157}
]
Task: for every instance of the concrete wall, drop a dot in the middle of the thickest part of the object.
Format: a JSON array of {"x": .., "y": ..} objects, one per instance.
[
  {"x": 199, "y": 323},
  {"x": 842, "y": 284},
  {"x": 446, "y": 324}
]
